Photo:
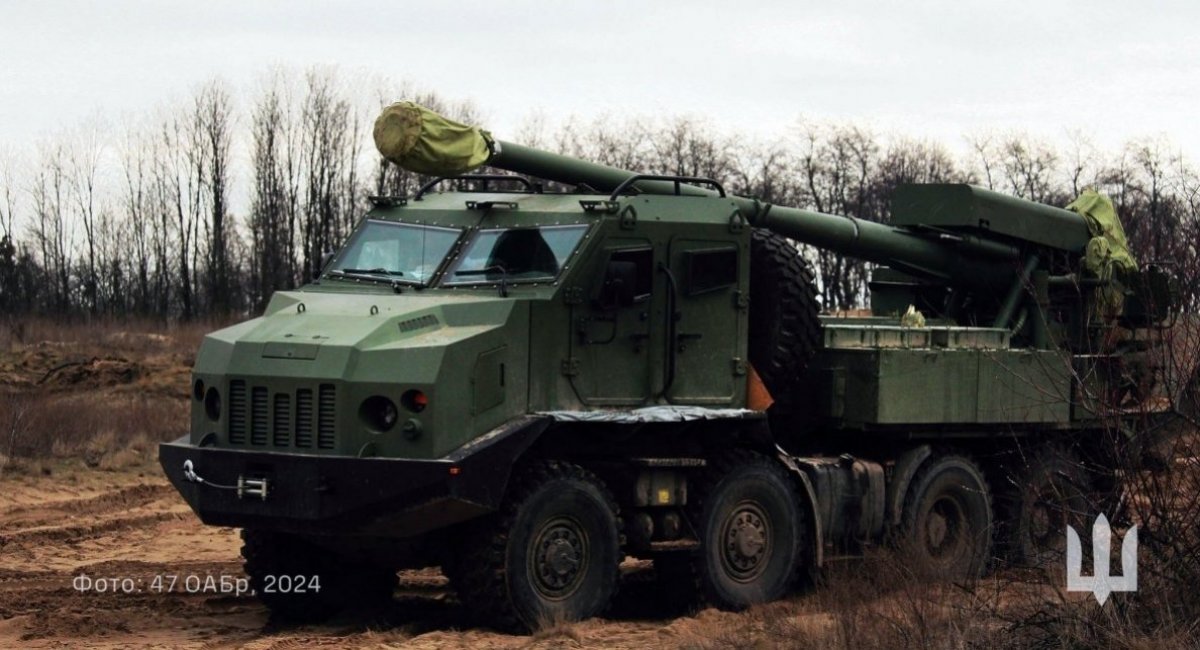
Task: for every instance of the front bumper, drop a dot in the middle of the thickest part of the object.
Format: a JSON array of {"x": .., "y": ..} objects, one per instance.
[{"x": 312, "y": 494}]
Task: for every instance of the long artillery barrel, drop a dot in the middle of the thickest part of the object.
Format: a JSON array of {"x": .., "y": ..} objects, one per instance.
[{"x": 422, "y": 141}]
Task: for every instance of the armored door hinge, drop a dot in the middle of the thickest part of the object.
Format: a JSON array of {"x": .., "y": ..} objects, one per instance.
[
  {"x": 741, "y": 300},
  {"x": 739, "y": 367},
  {"x": 573, "y": 295},
  {"x": 628, "y": 218},
  {"x": 570, "y": 367}
]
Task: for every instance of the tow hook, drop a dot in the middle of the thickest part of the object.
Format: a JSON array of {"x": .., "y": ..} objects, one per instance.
[{"x": 246, "y": 487}]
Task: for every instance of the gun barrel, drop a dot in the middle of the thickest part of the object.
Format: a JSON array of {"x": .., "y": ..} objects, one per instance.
[
  {"x": 945, "y": 232},
  {"x": 899, "y": 248}
]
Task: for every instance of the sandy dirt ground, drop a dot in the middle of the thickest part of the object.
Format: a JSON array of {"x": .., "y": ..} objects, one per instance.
[{"x": 64, "y": 535}]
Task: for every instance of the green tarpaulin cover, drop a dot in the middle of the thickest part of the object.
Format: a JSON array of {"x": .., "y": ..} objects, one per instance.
[
  {"x": 421, "y": 141},
  {"x": 1107, "y": 255}
]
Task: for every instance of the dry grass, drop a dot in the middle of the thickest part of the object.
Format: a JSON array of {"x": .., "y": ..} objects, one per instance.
[
  {"x": 876, "y": 603},
  {"x": 103, "y": 392},
  {"x": 130, "y": 336},
  {"x": 105, "y": 429}
]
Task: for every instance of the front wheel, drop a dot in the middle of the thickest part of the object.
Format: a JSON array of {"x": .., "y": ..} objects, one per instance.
[
  {"x": 551, "y": 554},
  {"x": 751, "y": 524}
]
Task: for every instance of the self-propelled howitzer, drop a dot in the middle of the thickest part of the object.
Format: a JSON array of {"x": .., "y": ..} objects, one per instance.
[{"x": 525, "y": 386}]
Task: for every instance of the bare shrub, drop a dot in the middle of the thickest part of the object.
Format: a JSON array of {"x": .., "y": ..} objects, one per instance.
[
  {"x": 90, "y": 425},
  {"x": 879, "y": 602},
  {"x": 127, "y": 336}
]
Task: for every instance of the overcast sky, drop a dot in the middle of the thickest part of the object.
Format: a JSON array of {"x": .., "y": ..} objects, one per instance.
[{"x": 919, "y": 67}]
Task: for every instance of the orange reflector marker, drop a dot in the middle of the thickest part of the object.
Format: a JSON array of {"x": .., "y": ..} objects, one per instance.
[
  {"x": 455, "y": 470},
  {"x": 758, "y": 398}
]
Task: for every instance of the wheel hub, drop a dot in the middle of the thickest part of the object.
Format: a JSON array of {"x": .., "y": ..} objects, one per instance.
[
  {"x": 944, "y": 525},
  {"x": 745, "y": 547},
  {"x": 559, "y": 558}
]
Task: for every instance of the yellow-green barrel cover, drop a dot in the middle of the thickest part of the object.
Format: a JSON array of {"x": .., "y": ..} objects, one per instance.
[
  {"x": 1108, "y": 249},
  {"x": 1107, "y": 255},
  {"x": 421, "y": 141}
]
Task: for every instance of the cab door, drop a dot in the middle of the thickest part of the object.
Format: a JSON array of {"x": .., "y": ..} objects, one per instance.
[
  {"x": 613, "y": 327},
  {"x": 707, "y": 351}
]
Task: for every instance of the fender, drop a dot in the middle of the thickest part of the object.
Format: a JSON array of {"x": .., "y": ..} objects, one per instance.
[
  {"x": 903, "y": 472},
  {"x": 810, "y": 501}
]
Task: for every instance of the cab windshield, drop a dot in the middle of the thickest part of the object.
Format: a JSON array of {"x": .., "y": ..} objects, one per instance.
[
  {"x": 516, "y": 254},
  {"x": 391, "y": 251}
]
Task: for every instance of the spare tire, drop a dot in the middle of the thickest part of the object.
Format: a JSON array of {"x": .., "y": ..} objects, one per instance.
[{"x": 784, "y": 328}]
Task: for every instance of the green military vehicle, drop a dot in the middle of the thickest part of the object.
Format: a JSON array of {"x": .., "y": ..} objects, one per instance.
[{"x": 525, "y": 386}]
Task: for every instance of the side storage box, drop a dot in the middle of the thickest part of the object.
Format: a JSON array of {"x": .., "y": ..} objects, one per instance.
[{"x": 895, "y": 386}]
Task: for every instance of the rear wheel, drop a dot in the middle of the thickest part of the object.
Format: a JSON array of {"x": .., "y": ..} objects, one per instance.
[
  {"x": 551, "y": 554},
  {"x": 752, "y": 529},
  {"x": 947, "y": 518},
  {"x": 301, "y": 582},
  {"x": 1041, "y": 496}
]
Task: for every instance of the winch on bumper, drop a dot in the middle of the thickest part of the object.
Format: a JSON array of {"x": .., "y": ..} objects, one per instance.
[{"x": 304, "y": 493}]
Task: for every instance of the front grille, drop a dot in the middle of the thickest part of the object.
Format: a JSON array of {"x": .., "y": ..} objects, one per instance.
[
  {"x": 304, "y": 417},
  {"x": 258, "y": 415},
  {"x": 280, "y": 423},
  {"x": 237, "y": 412},
  {"x": 327, "y": 402},
  {"x": 267, "y": 418}
]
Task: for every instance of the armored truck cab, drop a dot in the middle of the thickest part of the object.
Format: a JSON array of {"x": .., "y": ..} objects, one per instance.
[{"x": 524, "y": 386}]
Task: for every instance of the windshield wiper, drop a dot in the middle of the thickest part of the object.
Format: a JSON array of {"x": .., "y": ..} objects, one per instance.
[
  {"x": 378, "y": 274},
  {"x": 377, "y": 270},
  {"x": 370, "y": 274},
  {"x": 495, "y": 268}
]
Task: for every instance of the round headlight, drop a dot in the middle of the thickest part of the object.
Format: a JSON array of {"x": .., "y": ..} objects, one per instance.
[{"x": 378, "y": 413}]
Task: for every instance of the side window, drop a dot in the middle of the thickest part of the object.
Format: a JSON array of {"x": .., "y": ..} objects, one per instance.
[
  {"x": 628, "y": 278},
  {"x": 710, "y": 270},
  {"x": 643, "y": 260}
]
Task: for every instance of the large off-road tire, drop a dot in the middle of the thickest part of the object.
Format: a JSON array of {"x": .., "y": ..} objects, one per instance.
[
  {"x": 751, "y": 523},
  {"x": 946, "y": 524},
  {"x": 300, "y": 582},
  {"x": 784, "y": 328},
  {"x": 1040, "y": 495},
  {"x": 551, "y": 553}
]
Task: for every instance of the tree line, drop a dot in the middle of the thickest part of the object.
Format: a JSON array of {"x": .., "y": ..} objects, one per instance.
[{"x": 141, "y": 221}]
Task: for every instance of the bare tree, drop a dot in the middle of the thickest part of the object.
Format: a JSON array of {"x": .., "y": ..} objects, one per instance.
[
  {"x": 211, "y": 137},
  {"x": 9, "y": 273},
  {"x": 274, "y": 204},
  {"x": 178, "y": 187},
  {"x": 82, "y": 151},
  {"x": 52, "y": 231},
  {"x": 1082, "y": 162},
  {"x": 837, "y": 164},
  {"x": 983, "y": 147},
  {"x": 1028, "y": 166}
]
